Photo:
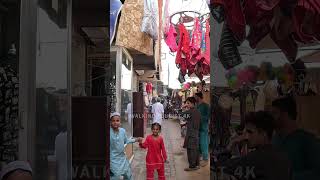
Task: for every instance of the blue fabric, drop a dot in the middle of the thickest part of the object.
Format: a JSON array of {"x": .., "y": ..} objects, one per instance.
[
  {"x": 204, "y": 110},
  {"x": 204, "y": 145},
  {"x": 119, "y": 164},
  {"x": 115, "y": 8}
]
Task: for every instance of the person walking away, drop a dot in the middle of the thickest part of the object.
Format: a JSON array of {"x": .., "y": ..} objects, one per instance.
[
  {"x": 156, "y": 155},
  {"x": 191, "y": 142},
  {"x": 302, "y": 147},
  {"x": 264, "y": 162},
  {"x": 157, "y": 111},
  {"x": 119, "y": 164},
  {"x": 204, "y": 110}
]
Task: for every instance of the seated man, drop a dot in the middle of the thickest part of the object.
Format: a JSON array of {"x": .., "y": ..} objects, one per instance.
[
  {"x": 264, "y": 162},
  {"x": 301, "y": 147},
  {"x": 17, "y": 170}
]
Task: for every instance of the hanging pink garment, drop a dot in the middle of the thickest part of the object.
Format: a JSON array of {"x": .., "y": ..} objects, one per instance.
[
  {"x": 196, "y": 38},
  {"x": 195, "y": 43},
  {"x": 171, "y": 39}
]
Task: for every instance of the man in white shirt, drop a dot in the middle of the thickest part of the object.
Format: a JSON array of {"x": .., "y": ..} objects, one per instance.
[{"x": 157, "y": 111}]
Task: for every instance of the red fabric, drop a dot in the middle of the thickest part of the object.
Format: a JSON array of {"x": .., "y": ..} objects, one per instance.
[
  {"x": 258, "y": 19},
  {"x": 235, "y": 18},
  {"x": 306, "y": 21},
  {"x": 161, "y": 174},
  {"x": 149, "y": 88},
  {"x": 156, "y": 155},
  {"x": 217, "y": 2},
  {"x": 196, "y": 39},
  {"x": 183, "y": 53},
  {"x": 288, "y": 46}
]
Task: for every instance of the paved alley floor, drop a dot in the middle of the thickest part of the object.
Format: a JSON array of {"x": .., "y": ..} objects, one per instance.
[{"x": 177, "y": 156}]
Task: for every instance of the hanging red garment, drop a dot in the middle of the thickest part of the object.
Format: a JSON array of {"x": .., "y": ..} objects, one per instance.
[
  {"x": 258, "y": 18},
  {"x": 149, "y": 88},
  {"x": 234, "y": 16},
  {"x": 171, "y": 39},
  {"x": 183, "y": 53},
  {"x": 306, "y": 20}
]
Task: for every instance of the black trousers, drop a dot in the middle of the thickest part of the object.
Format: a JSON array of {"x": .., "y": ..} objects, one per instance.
[{"x": 193, "y": 157}]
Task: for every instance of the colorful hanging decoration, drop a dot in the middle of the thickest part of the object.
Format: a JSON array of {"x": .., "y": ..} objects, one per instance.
[{"x": 285, "y": 75}]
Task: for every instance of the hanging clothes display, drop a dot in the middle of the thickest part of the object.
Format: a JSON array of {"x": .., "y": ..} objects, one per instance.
[
  {"x": 302, "y": 21},
  {"x": 129, "y": 33},
  {"x": 150, "y": 19},
  {"x": 170, "y": 39},
  {"x": 193, "y": 54}
]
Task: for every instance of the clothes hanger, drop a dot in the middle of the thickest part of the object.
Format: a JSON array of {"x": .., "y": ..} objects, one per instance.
[{"x": 184, "y": 18}]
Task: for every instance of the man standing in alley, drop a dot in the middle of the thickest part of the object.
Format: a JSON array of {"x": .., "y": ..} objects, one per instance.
[
  {"x": 191, "y": 142},
  {"x": 157, "y": 111},
  {"x": 204, "y": 110},
  {"x": 301, "y": 147}
]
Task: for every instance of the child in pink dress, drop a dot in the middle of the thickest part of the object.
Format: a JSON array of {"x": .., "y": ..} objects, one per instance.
[{"x": 156, "y": 155}]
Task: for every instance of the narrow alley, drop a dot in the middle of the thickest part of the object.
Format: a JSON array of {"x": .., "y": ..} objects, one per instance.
[{"x": 177, "y": 156}]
